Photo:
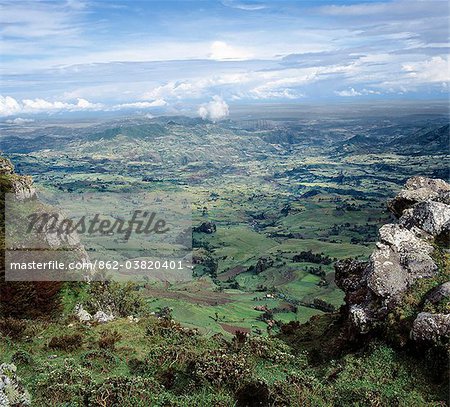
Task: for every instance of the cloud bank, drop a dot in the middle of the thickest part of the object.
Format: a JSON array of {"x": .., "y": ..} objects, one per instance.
[
  {"x": 12, "y": 107},
  {"x": 246, "y": 50}
]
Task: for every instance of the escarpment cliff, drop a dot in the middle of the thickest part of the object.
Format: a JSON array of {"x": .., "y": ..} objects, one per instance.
[
  {"x": 30, "y": 295},
  {"x": 404, "y": 289}
]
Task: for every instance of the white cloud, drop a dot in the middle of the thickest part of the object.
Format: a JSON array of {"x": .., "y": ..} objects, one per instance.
[
  {"x": 434, "y": 70},
  {"x": 176, "y": 89},
  {"x": 10, "y": 106},
  {"x": 348, "y": 93},
  {"x": 36, "y": 105},
  {"x": 352, "y": 92},
  {"x": 244, "y": 5},
  {"x": 221, "y": 51},
  {"x": 214, "y": 110},
  {"x": 19, "y": 121},
  {"x": 141, "y": 105}
]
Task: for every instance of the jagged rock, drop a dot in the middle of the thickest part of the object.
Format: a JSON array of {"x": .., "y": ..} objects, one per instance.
[
  {"x": 429, "y": 216},
  {"x": 402, "y": 256},
  {"x": 419, "y": 189},
  {"x": 439, "y": 293},
  {"x": 6, "y": 167},
  {"x": 12, "y": 392},
  {"x": 23, "y": 188},
  {"x": 360, "y": 318},
  {"x": 402, "y": 240},
  {"x": 348, "y": 274},
  {"x": 386, "y": 276},
  {"x": 82, "y": 314},
  {"x": 102, "y": 317},
  {"x": 431, "y": 327},
  {"x": 350, "y": 277},
  {"x": 444, "y": 236}
]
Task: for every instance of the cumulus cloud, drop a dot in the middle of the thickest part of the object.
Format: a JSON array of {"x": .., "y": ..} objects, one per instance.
[
  {"x": 220, "y": 51},
  {"x": 10, "y": 106},
  {"x": 36, "y": 105},
  {"x": 435, "y": 69},
  {"x": 176, "y": 90},
  {"x": 214, "y": 110}
]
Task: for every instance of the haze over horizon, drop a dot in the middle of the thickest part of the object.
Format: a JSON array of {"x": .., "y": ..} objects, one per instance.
[{"x": 204, "y": 57}]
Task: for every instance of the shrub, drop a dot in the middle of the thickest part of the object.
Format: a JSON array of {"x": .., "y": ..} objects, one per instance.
[
  {"x": 66, "y": 342},
  {"x": 21, "y": 357},
  {"x": 13, "y": 328},
  {"x": 221, "y": 369},
  {"x": 65, "y": 384},
  {"x": 119, "y": 299},
  {"x": 271, "y": 349},
  {"x": 108, "y": 340},
  {"x": 124, "y": 392},
  {"x": 100, "y": 360},
  {"x": 253, "y": 393},
  {"x": 31, "y": 300}
]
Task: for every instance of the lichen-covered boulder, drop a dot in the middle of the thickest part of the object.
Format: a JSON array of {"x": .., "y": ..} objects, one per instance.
[
  {"x": 431, "y": 327},
  {"x": 82, "y": 314},
  {"x": 429, "y": 216},
  {"x": 102, "y": 317},
  {"x": 439, "y": 293},
  {"x": 418, "y": 189},
  {"x": 12, "y": 392},
  {"x": 403, "y": 257}
]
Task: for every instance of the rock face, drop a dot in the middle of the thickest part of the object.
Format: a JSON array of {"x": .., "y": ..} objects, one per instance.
[
  {"x": 419, "y": 189},
  {"x": 43, "y": 235},
  {"x": 403, "y": 255}
]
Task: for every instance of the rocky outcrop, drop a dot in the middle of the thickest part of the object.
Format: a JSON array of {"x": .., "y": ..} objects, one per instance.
[
  {"x": 12, "y": 392},
  {"x": 403, "y": 256},
  {"x": 419, "y": 189},
  {"x": 431, "y": 327},
  {"x": 82, "y": 314},
  {"x": 6, "y": 166},
  {"x": 45, "y": 234},
  {"x": 100, "y": 316},
  {"x": 23, "y": 188}
]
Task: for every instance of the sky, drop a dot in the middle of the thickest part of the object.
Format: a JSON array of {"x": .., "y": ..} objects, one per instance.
[{"x": 202, "y": 57}]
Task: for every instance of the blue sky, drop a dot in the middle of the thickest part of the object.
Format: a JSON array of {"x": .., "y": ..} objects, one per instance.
[{"x": 185, "y": 56}]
